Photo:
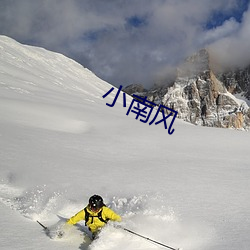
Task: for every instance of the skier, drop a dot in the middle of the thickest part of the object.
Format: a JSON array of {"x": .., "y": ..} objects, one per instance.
[{"x": 95, "y": 214}]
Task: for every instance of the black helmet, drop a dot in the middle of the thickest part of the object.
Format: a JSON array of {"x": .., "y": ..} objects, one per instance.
[{"x": 96, "y": 202}]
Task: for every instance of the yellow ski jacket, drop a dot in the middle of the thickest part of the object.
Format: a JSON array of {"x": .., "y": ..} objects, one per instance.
[{"x": 94, "y": 223}]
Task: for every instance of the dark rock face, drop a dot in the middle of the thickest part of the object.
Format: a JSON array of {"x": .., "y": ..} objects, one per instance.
[
  {"x": 134, "y": 88},
  {"x": 237, "y": 81}
]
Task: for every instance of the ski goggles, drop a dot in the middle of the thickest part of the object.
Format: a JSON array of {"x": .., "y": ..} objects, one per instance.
[{"x": 94, "y": 208}]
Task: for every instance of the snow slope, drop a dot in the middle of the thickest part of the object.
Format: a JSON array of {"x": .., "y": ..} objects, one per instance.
[{"x": 60, "y": 143}]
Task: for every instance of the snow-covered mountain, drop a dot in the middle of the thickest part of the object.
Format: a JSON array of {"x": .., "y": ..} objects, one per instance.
[
  {"x": 60, "y": 143},
  {"x": 204, "y": 97}
]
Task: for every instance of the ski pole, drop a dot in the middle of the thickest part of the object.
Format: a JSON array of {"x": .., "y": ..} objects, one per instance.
[
  {"x": 146, "y": 238},
  {"x": 45, "y": 228}
]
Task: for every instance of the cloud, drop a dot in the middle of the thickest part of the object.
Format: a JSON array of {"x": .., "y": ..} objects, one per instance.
[
  {"x": 121, "y": 41},
  {"x": 233, "y": 49},
  {"x": 228, "y": 28}
]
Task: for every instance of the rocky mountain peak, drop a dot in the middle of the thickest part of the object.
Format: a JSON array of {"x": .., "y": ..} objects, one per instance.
[
  {"x": 203, "y": 97},
  {"x": 197, "y": 64}
]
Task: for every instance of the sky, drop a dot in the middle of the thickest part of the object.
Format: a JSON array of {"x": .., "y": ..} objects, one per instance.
[{"x": 132, "y": 41}]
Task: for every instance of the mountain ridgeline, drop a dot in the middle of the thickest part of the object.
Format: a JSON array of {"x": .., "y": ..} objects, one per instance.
[{"x": 204, "y": 96}]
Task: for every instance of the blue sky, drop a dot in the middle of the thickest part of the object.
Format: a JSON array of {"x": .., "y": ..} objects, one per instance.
[
  {"x": 218, "y": 17},
  {"x": 131, "y": 41}
]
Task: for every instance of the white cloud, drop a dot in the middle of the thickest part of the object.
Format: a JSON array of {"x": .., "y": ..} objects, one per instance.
[
  {"x": 97, "y": 32},
  {"x": 228, "y": 28},
  {"x": 233, "y": 50}
]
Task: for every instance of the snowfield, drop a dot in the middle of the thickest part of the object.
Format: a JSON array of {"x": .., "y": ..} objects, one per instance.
[{"x": 60, "y": 143}]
